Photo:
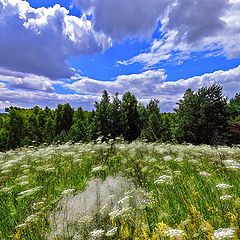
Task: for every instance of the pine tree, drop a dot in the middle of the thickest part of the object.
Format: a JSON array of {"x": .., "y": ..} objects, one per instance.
[
  {"x": 115, "y": 117},
  {"x": 234, "y": 119},
  {"x": 202, "y": 116},
  {"x": 63, "y": 118},
  {"x": 102, "y": 120},
  {"x": 79, "y": 129},
  {"x": 152, "y": 130},
  {"x": 130, "y": 117}
]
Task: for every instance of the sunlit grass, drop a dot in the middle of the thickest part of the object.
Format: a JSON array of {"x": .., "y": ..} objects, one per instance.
[{"x": 191, "y": 192}]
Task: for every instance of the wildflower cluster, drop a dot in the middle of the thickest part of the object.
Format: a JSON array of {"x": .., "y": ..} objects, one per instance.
[{"x": 171, "y": 192}]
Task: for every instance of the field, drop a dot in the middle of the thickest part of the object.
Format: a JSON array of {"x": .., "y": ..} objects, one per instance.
[{"x": 175, "y": 191}]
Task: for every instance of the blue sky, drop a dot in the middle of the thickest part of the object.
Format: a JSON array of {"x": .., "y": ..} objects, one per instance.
[{"x": 70, "y": 51}]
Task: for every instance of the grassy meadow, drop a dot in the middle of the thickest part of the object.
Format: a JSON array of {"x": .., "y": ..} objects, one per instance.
[{"x": 190, "y": 192}]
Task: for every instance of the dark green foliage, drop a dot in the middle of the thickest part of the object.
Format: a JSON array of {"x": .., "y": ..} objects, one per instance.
[
  {"x": 187, "y": 117},
  {"x": 49, "y": 126},
  {"x": 130, "y": 117},
  {"x": 152, "y": 129},
  {"x": 16, "y": 127},
  {"x": 234, "y": 120},
  {"x": 4, "y": 132},
  {"x": 234, "y": 106},
  {"x": 202, "y": 117},
  {"x": 80, "y": 127},
  {"x": 63, "y": 118},
  {"x": 168, "y": 127},
  {"x": 115, "y": 117},
  {"x": 102, "y": 121}
]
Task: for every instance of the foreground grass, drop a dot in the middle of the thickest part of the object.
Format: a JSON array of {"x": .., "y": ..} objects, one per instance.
[{"x": 192, "y": 192}]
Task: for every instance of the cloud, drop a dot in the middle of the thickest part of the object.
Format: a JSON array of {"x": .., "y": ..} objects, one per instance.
[
  {"x": 194, "y": 20},
  {"x": 190, "y": 27},
  {"x": 153, "y": 84},
  {"x": 142, "y": 84},
  {"x": 147, "y": 85},
  {"x": 16, "y": 80},
  {"x": 29, "y": 99},
  {"x": 123, "y": 18},
  {"x": 161, "y": 50},
  {"x": 40, "y": 41}
]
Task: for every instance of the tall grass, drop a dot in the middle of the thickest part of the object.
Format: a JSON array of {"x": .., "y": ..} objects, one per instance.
[{"x": 192, "y": 192}]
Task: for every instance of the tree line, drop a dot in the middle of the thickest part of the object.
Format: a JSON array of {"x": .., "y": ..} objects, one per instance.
[{"x": 202, "y": 117}]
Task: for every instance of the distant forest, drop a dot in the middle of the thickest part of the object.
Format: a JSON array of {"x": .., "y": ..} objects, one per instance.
[{"x": 202, "y": 117}]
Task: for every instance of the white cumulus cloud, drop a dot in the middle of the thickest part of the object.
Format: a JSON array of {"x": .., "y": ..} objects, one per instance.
[
  {"x": 153, "y": 84},
  {"x": 147, "y": 85},
  {"x": 40, "y": 41},
  {"x": 189, "y": 27},
  {"x": 26, "y": 81}
]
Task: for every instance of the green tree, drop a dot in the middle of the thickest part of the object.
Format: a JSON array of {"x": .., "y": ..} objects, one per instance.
[
  {"x": 102, "y": 119},
  {"x": 115, "y": 117},
  {"x": 212, "y": 122},
  {"x": 16, "y": 127},
  {"x": 152, "y": 130},
  {"x": 130, "y": 117},
  {"x": 4, "y": 132},
  {"x": 63, "y": 118},
  {"x": 202, "y": 116},
  {"x": 234, "y": 120},
  {"x": 187, "y": 117},
  {"x": 168, "y": 127},
  {"x": 49, "y": 126},
  {"x": 80, "y": 127}
]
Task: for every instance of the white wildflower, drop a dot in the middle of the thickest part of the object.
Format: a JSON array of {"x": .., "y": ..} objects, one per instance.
[
  {"x": 9, "y": 164},
  {"x": 6, "y": 190},
  {"x": 223, "y": 233},
  {"x": 151, "y": 160},
  {"x": 50, "y": 169},
  {"x": 97, "y": 233},
  {"x": 44, "y": 167},
  {"x": 204, "y": 174},
  {"x": 146, "y": 202},
  {"x": 113, "y": 214},
  {"x": 231, "y": 164},
  {"x": 111, "y": 232},
  {"x": 178, "y": 159},
  {"x": 223, "y": 186},
  {"x": 30, "y": 219},
  {"x": 174, "y": 233},
  {"x": 194, "y": 161},
  {"x": 21, "y": 226},
  {"x": 29, "y": 192},
  {"x": 124, "y": 201},
  {"x": 77, "y": 160},
  {"x": 225, "y": 197},
  {"x": 123, "y": 212},
  {"x": 100, "y": 168},
  {"x": 25, "y": 166},
  {"x": 22, "y": 178},
  {"x": 68, "y": 192},
  {"x": 86, "y": 220},
  {"x": 5, "y": 171},
  {"x": 24, "y": 183},
  {"x": 163, "y": 179},
  {"x": 167, "y": 158},
  {"x": 38, "y": 205}
]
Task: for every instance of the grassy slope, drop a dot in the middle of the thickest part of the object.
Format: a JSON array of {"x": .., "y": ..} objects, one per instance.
[{"x": 180, "y": 181}]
